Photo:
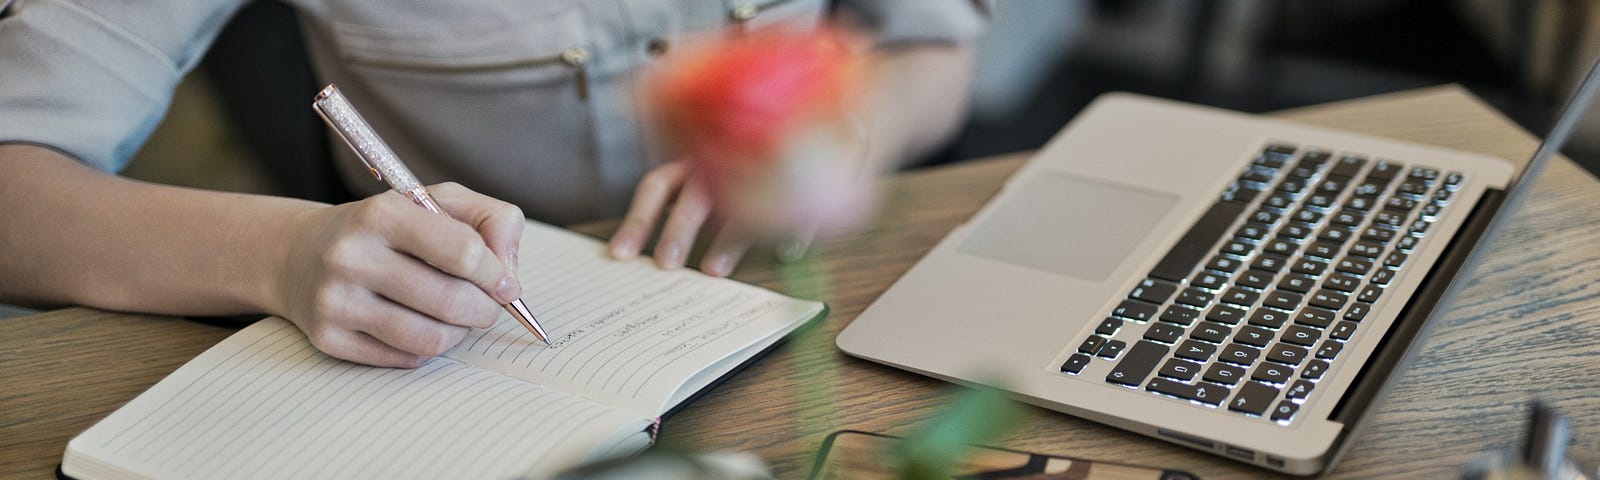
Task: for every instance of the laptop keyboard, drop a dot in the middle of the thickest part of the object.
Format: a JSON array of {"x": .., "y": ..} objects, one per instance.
[{"x": 1249, "y": 318}]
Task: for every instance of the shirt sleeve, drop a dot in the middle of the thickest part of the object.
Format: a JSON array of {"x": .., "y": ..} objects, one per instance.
[
  {"x": 921, "y": 21},
  {"x": 92, "y": 78}
]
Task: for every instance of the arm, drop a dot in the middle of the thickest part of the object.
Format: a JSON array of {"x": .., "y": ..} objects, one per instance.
[{"x": 351, "y": 276}]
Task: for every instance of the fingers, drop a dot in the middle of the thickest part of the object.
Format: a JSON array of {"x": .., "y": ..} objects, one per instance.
[
  {"x": 655, "y": 190},
  {"x": 430, "y": 292},
  {"x": 498, "y": 222},
  {"x": 406, "y": 330},
  {"x": 689, "y": 213},
  {"x": 726, "y": 249},
  {"x": 361, "y": 348},
  {"x": 450, "y": 246}
]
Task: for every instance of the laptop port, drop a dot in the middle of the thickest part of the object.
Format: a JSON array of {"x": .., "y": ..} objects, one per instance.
[
  {"x": 1201, "y": 442},
  {"x": 1243, "y": 453}
]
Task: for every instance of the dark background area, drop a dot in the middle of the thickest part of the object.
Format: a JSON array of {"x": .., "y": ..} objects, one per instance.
[{"x": 1041, "y": 62}]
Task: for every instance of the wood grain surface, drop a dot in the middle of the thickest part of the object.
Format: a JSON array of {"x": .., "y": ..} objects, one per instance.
[{"x": 1527, "y": 325}]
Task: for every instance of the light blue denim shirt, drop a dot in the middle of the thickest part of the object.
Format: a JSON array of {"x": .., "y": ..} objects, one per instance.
[{"x": 532, "y": 102}]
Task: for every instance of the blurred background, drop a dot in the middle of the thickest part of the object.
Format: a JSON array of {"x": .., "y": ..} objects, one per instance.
[{"x": 1040, "y": 63}]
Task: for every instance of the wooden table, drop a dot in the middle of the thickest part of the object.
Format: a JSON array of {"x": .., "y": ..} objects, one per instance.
[{"x": 1526, "y": 326}]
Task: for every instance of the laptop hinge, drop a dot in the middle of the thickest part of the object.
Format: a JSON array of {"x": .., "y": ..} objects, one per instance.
[{"x": 1395, "y": 349}]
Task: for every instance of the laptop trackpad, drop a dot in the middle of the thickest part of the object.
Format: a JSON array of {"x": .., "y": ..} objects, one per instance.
[{"x": 1069, "y": 225}]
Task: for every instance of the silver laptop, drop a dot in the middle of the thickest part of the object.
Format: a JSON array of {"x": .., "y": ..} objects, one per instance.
[{"x": 1231, "y": 283}]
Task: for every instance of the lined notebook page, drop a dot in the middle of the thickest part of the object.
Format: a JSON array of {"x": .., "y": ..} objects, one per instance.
[
  {"x": 626, "y": 333},
  {"x": 265, "y": 404}
]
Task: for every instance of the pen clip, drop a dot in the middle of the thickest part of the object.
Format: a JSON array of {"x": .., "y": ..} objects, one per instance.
[{"x": 316, "y": 104}]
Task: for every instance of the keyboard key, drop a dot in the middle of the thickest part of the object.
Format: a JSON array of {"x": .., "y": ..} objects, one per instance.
[
  {"x": 1241, "y": 193},
  {"x": 1254, "y": 336},
  {"x": 1253, "y": 398},
  {"x": 1201, "y": 392},
  {"x": 1389, "y": 218},
  {"x": 1269, "y": 262},
  {"x": 1254, "y": 279},
  {"x": 1370, "y": 294},
  {"x": 1210, "y": 332},
  {"x": 1298, "y": 390},
  {"x": 1278, "y": 201},
  {"x": 1423, "y": 175},
  {"x": 1137, "y": 364},
  {"x": 1335, "y": 233},
  {"x": 1205, "y": 232},
  {"x": 1287, "y": 354},
  {"x": 1367, "y": 190},
  {"x": 1253, "y": 232},
  {"x": 1075, "y": 363},
  {"x": 1329, "y": 349},
  {"x": 1135, "y": 310},
  {"x": 1306, "y": 216},
  {"x": 1164, "y": 333},
  {"x": 1354, "y": 266},
  {"x": 1222, "y": 264},
  {"x": 1112, "y": 348},
  {"x": 1225, "y": 314},
  {"x": 1348, "y": 218},
  {"x": 1272, "y": 373},
  {"x": 1381, "y": 277},
  {"x": 1342, "y": 331},
  {"x": 1297, "y": 283},
  {"x": 1347, "y": 166},
  {"x": 1195, "y": 297},
  {"x": 1356, "y": 312},
  {"x": 1441, "y": 197},
  {"x": 1265, "y": 217},
  {"x": 1329, "y": 299},
  {"x": 1239, "y": 354},
  {"x": 1341, "y": 282},
  {"x": 1293, "y": 185},
  {"x": 1282, "y": 300},
  {"x": 1092, "y": 344},
  {"x": 1323, "y": 250},
  {"x": 1315, "y": 317},
  {"x": 1314, "y": 369},
  {"x": 1367, "y": 249},
  {"x": 1180, "y": 315},
  {"x": 1268, "y": 318},
  {"x": 1309, "y": 266},
  {"x": 1429, "y": 212},
  {"x": 1238, "y": 248},
  {"x": 1332, "y": 186},
  {"x": 1224, "y": 374},
  {"x": 1301, "y": 335},
  {"x": 1197, "y": 351},
  {"x": 1258, "y": 174},
  {"x": 1321, "y": 199},
  {"x": 1399, "y": 204},
  {"x": 1284, "y": 411},
  {"x": 1411, "y": 189},
  {"x": 1109, "y": 326},
  {"x": 1406, "y": 243},
  {"x": 1241, "y": 297},
  {"x": 1378, "y": 234},
  {"x": 1452, "y": 181},
  {"x": 1180, "y": 369},
  {"x": 1295, "y": 231},
  {"x": 1281, "y": 246},
  {"x": 1419, "y": 227},
  {"x": 1359, "y": 204},
  {"x": 1153, "y": 291},
  {"x": 1385, "y": 170},
  {"x": 1210, "y": 281},
  {"x": 1395, "y": 260}
]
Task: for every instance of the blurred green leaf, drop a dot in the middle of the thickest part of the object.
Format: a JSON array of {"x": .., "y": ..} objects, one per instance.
[{"x": 975, "y": 415}]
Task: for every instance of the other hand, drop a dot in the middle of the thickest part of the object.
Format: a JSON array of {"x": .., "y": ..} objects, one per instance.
[{"x": 691, "y": 212}]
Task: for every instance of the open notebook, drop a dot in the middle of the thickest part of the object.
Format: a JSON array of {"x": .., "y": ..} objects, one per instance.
[{"x": 630, "y": 343}]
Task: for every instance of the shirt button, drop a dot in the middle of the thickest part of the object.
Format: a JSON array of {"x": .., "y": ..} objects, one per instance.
[{"x": 656, "y": 47}]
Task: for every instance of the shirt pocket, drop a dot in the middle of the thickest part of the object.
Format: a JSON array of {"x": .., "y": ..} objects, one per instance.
[
  {"x": 748, "y": 15},
  {"x": 551, "y": 50}
]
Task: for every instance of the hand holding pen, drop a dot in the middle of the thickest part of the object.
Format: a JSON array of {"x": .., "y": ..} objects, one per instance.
[{"x": 381, "y": 281}]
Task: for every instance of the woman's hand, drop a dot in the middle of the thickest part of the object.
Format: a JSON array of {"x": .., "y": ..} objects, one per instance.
[
  {"x": 691, "y": 212},
  {"x": 384, "y": 282}
]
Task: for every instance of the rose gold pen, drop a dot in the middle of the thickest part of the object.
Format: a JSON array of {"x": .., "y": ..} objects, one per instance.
[{"x": 385, "y": 165}]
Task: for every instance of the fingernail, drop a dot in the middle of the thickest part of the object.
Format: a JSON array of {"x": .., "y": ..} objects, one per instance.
[
  {"x": 623, "y": 249},
  {"x": 718, "y": 266},
  {"x": 505, "y": 290},
  {"x": 514, "y": 260},
  {"x": 668, "y": 256}
]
